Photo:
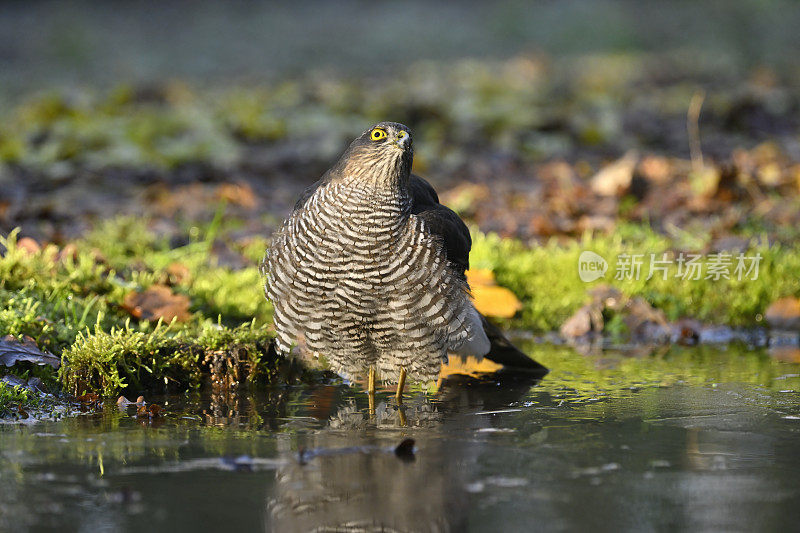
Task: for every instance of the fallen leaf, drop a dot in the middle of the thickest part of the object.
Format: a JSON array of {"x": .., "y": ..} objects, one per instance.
[
  {"x": 178, "y": 273},
  {"x": 495, "y": 301},
  {"x": 784, "y": 313},
  {"x": 788, "y": 354},
  {"x": 69, "y": 251},
  {"x": 157, "y": 302},
  {"x": 13, "y": 351},
  {"x": 89, "y": 397},
  {"x": 238, "y": 194},
  {"x": 490, "y": 299},
  {"x": 469, "y": 366},
  {"x": 656, "y": 169},
  {"x": 480, "y": 276},
  {"x": 22, "y": 412},
  {"x": 29, "y": 245},
  {"x": 688, "y": 331},
  {"x": 616, "y": 177},
  {"x": 154, "y": 411},
  {"x": 581, "y": 323},
  {"x": 466, "y": 197},
  {"x": 770, "y": 174},
  {"x": 13, "y": 381}
]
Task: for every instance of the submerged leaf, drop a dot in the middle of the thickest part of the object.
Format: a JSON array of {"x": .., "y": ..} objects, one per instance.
[
  {"x": 88, "y": 398},
  {"x": 153, "y": 412}
]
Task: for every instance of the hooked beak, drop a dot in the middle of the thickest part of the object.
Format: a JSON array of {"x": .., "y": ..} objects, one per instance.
[{"x": 402, "y": 140}]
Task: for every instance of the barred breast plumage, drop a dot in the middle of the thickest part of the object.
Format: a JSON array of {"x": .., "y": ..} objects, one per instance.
[{"x": 368, "y": 271}]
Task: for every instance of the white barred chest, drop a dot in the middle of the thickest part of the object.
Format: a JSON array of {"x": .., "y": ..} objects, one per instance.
[{"x": 354, "y": 274}]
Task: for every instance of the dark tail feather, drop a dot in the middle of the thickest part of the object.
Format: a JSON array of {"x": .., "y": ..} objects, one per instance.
[{"x": 504, "y": 353}]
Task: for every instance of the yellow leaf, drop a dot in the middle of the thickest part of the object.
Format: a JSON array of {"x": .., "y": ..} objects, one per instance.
[
  {"x": 467, "y": 367},
  {"x": 480, "y": 276},
  {"x": 495, "y": 301},
  {"x": 489, "y": 299}
]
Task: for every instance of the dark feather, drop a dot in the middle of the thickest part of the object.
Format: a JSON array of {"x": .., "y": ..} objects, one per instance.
[
  {"x": 457, "y": 242},
  {"x": 441, "y": 221},
  {"x": 504, "y": 353},
  {"x": 309, "y": 192}
]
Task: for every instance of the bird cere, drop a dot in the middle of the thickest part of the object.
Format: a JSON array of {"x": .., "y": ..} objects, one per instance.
[{"x": 368, "y": 272}]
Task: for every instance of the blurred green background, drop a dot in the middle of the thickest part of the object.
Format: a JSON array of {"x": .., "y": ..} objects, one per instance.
[{"x": 106, "y": 42}]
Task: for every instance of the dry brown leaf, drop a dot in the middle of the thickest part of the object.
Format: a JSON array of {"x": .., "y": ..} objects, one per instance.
[
  {"x": 788, "y": 354},
  {"x": 157, "y": 302},
  {"x": 616, "y": 177},
  {"x": 89, "y": 397},
  {"x": 69, "y": 251},
  {"x": 465, "y": 197},
  {"x": 13, "y": 351},
  {"x": 178, "y": 273},
  {"x": 238, "y": 194},
  {"x": 579, "y": 324},
  {"x": 655, "y": 168},
  {"x": 29, "y": 245},
  {"x": 153, "y": 412}
]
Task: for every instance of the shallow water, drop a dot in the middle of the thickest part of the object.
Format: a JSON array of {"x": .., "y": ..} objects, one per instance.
[{"x": 699, "y": 439}]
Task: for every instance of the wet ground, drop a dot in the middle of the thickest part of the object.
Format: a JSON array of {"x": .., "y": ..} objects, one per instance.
[{"x": 698, "y": 439}]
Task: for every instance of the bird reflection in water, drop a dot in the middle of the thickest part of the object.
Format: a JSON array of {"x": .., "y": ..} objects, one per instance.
[{"x": 367, "y": 487}]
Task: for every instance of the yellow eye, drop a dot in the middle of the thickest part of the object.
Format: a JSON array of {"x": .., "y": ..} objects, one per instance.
[{"x": 377, "y": 134}]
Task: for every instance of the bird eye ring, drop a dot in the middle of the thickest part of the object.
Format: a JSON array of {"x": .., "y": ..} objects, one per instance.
[{"x": 377, "y": 134}]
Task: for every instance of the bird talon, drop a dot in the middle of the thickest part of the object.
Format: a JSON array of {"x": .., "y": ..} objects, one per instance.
[
  {"x": 401, "y": 384},
  {"x": 371, "y": 390}
]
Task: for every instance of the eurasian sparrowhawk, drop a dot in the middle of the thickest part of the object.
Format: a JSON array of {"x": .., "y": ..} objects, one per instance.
[{"x": 369, "y": 270}]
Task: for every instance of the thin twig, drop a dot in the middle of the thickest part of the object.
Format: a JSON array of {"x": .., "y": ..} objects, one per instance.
[{"x": 693, "y": 129}]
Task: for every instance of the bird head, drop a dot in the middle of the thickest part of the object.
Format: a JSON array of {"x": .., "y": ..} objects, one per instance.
[{"x": 383, "y": 152}]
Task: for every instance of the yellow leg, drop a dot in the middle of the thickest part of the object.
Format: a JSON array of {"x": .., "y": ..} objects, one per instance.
[
  {"x": 401, "y": 384},
  {"x": 371, "y": 390}
]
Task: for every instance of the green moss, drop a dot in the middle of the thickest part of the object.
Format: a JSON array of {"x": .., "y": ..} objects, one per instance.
[
  {"x": 169, "y": 355},
  {"x": 546, "y": 278},
  {"x": 12, "y": 399},
  {"x": 72, "y": 304}
]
